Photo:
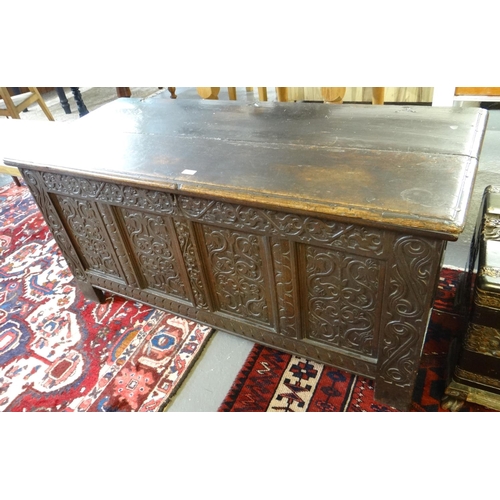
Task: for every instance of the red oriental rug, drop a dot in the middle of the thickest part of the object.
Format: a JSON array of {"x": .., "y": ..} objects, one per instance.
[
  {"x": 272, "y": 381},
  {"x": 61, "y": 352}
]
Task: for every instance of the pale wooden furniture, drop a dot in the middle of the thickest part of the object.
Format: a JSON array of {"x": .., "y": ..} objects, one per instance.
[
  {"x": 461, "y": 96},
  {"x": 12, "y": 106},
  {"x": 318, "y": 230},
  {"x": 333, "y": 95}
]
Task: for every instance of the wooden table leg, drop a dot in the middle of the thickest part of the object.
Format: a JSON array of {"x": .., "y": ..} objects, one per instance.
[
  {"x": 208, "y": 92},
  {"x": 232, "y": 93},
  {"x": 172, "y": 92},
  {"x": 123, "y": 91}
]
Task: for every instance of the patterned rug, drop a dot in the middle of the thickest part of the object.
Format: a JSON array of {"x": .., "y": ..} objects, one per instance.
[
  {"x": 61, "y": 352},
  {"x": 272, "y": 381}
]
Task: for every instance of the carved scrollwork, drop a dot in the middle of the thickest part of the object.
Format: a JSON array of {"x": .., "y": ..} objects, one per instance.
[
  {"x": 410, "y": 289},
  {"x": 152, "y": 248},
  {"x": 342, "y": 299},
  {"x": 237, "y": 269},
  {"x": 49, "y": 211},
  {"x": 83, "y": 218}
]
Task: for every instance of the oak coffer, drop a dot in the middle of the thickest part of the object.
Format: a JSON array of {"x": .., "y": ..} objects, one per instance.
[{"x": 315, "y": 229}]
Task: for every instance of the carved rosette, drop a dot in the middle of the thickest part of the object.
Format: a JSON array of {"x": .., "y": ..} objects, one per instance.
[{"x": 411, "y": 288}]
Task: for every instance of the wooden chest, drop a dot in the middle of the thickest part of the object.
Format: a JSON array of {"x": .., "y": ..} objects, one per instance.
[
  {"x": 475, "y": 361},
  {"x": 315, "y": 229}
]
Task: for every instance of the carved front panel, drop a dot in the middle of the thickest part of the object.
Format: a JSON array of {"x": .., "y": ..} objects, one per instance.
[
  {"x": 342, "y": 299},
  {"x": 84, "y": 220},
  {"x": 350, "y": 295},
  {"x": 154, "y": 252},
  {"x": 238, "y": 271}
]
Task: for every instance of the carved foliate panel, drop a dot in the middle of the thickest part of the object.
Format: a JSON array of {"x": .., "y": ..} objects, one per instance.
[
  {"x": 116, "y": 194},
  {"x": 342, "y": 298},
  {"x": 84, "y": 220},
  {"x": 410, "y": 290},
  {"x": 303, "y": 228},
  {"x": 238, "y": 273},
  {"x": 153, "y": 250}
]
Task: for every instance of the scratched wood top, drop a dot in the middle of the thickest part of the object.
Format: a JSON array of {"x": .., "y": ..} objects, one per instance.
[{"x": 412, "y": 167}]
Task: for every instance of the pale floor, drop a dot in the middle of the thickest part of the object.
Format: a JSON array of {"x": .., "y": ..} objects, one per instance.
[{"x": 210, "y": 379}]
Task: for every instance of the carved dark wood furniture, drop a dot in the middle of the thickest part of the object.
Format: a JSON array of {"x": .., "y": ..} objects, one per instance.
[
  {"x": 475, "y": 361},
  {"x": 315, "y": 229}
]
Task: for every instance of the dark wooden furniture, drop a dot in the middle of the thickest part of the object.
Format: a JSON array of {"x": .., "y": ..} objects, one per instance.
[
  {"x": 475, "y": 357},
  {"x": 315, "y": 229},
  {"x": 82, "y": 109}
]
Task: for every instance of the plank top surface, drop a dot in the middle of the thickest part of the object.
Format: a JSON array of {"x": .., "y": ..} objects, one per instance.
[{"x": 391, "y": 165}]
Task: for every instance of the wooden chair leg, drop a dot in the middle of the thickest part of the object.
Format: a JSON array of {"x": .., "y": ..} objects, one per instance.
[
  {"x": 282, "y": 93},
  {"x": 333, "y": 95},
  {"x": 208, "y": 92},
  {"x": 9, "y": 104},
  {"x": 172, "y": 92},
  {"x": 232, "y": 93},
  {"x": 82, "y": 109},
  {"x": 262, "y": 93},
  {"x": 16, "y": 180},
  {"x": 42, "y": 104},
  {"x": 63, "y": 100},
  {"x": 378, "y": 95},
  {"x": 123, "y": 91}
]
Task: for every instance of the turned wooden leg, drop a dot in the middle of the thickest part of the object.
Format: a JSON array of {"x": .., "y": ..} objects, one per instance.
[
  {"x": 262, "y": 93},
  {"x": 172, "y": 92},
  {"x": 282, "y": 93},
  {"x": 82, "y": 109},
  {"x": 378, "y": 95},
  {"x": 208, "y": 92},
  {"x": 333, "y": 95},
  {"x": 63, "y": 100},
  {"x": 123, "y": 91},
  {"x": 232, "y": 93}
]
